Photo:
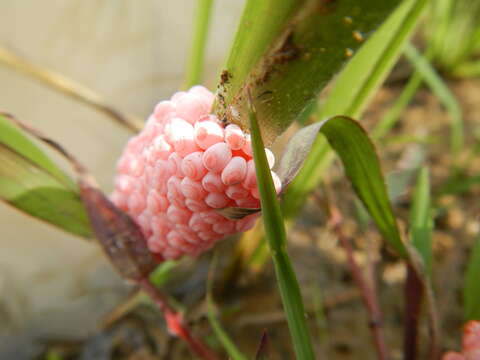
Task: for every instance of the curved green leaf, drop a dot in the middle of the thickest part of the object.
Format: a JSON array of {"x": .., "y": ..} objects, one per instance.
[
  {"x": 361, "y": 164},
  {"x": 32, "y": 183}
]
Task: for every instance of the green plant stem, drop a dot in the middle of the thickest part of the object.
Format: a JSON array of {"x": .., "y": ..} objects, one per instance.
[
  {"x": 276, "y": 238},
  {"x": 193, "y": 75}
]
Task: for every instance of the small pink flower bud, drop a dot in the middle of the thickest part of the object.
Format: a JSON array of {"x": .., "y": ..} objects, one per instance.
[{"x": 235, "y": 171}]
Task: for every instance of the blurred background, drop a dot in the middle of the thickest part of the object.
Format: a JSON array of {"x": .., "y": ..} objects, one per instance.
[{"x": 132, "y": 53}]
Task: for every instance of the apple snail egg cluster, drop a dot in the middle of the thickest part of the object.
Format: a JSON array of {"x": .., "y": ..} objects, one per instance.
[{"x": 182, "y": 167}]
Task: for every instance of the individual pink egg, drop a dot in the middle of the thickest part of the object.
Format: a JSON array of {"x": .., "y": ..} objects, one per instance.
[
  {"x": 234, "y": 137},
  {"x": 192, "y": 166},
  {"x": 216, "y": 157},
  {"x": 208, "y": 133},
  {"x": 225, "y": 227},
  {"x": 163, "y": 110},
  {"x": 191, "y": 108},
  {"x": 156, "y": 203},
  {"x": 174, "y": 164},
  {"x": 192, "y": 189},
  {"x": 237, "y": 192},
  {"x": 250, "y": 181},
  {"x": 217, "y": 200},
  {"x": 235, "y": 171},
  {"x": 178, "y": 215},
  {"x": 212, "y": 182}
]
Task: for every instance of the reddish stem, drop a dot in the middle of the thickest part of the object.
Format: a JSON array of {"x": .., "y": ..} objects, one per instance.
[
  {"x": 368, "y": 293},
  {"x": 175, "y": 323},
  {"x": 414, "y": 291}
]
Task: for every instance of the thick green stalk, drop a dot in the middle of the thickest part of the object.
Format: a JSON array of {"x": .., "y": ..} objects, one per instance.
[
  {"x": 193, "y": 75},
  {"x": 276, "y": 238}
]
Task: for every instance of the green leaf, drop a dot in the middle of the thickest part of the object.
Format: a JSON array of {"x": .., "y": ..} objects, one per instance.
[
  {"x": 305, "y": 51},
  {"x": 352, "y": 90},
  {"x": 32, "y": 183},
  {"x": 471, "y": 291},
  {"x": 276, "y": 238},
  {"x": 421, "y": 223},
  {"x": 30, "y": 188},
  {"x": 361, "y": 164}
]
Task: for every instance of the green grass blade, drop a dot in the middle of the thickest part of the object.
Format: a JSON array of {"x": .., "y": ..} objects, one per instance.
[
  {"x": 194, "y": 70},
  {"x": 441, "y": 90},
  {"x": 276, "y": 238},
  {"x": 11, "y": 136},
  {"x": 471, "y": 291},
  {"x": 352, "y": 91},
  {"x": 30, "y": 188},
  {"x": 421, "y": 224},
  {"x": 32, "y": 183},
  {"x": 312, "y": 46}
]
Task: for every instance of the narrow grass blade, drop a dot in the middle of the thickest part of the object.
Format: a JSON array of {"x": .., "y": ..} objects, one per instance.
[
  {"x": 195, "y": 63},
  {"x": 421, "y": 224},
  {"x": 441, "y": 90},
  {"x": 471, "y": 291},
  {"x": 276, "y": 237},
  {"x": 301, "y": 60},
  {"x": 32, "y": 183}
]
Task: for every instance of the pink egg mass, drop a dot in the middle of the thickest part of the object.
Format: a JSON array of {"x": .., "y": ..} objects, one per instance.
[{"x": 183, "y": 166}]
